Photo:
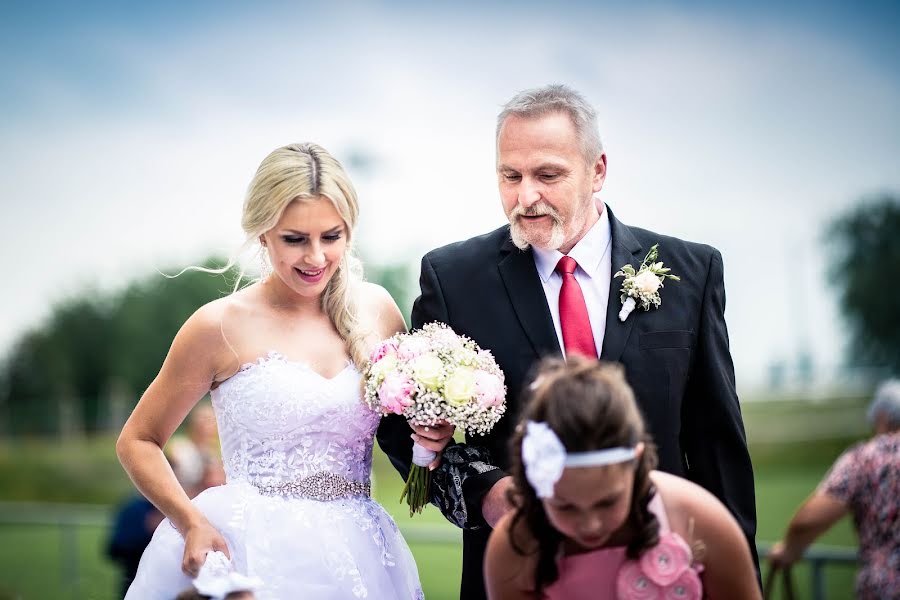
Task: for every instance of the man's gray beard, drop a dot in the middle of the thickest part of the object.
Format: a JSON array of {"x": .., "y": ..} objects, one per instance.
[{"x": 557, "y": 236}]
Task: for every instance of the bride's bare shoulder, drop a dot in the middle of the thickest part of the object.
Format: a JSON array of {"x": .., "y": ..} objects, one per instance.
[
  {"x": 226, "y": 321},
  {"x": 242, "y": 303},
  {"x": 378, "y": 308}
]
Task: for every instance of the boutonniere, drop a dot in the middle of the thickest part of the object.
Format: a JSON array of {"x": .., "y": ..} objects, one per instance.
[{"x": 643, "y": 286}]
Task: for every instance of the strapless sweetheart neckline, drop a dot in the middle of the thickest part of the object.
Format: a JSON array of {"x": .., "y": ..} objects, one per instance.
[{"x": 276, "y": 356}]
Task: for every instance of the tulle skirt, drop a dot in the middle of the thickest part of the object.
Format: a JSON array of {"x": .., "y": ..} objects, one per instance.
[{"x": 298, "y": 548}]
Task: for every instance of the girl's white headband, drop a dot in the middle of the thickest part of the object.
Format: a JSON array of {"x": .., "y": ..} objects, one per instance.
[{"x": 545, "y": 457}]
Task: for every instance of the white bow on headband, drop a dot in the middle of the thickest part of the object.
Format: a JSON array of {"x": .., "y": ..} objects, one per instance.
[{"x": 545, "y": 457}]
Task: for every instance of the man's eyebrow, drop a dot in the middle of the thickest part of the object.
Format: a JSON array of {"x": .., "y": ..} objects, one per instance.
[
  {"x": 551, "y": 165},
  {"x": 543, "y": 166}
]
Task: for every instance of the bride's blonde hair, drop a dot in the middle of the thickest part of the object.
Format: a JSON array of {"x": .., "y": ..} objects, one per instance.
[{"x": 303, "y": 173}]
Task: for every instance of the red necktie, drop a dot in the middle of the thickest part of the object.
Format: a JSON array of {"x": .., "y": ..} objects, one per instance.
[{"x": 578, "y": 337}]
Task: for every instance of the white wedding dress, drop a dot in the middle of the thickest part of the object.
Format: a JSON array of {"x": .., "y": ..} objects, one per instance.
[{"x": 295, "y": 510}]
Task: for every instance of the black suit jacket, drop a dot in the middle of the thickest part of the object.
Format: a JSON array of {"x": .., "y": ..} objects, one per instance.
[{"x": 676, "y": 358}]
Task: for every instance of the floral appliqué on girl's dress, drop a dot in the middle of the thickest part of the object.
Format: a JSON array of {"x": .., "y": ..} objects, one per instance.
[{"x": 664, "y": 572}]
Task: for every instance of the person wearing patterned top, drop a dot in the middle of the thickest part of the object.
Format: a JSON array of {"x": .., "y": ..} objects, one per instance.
[{"x": 865, "y": 482}]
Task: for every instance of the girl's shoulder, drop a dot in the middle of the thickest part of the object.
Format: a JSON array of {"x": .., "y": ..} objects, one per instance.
[
  {"x": 512, "y": 555},
  {"x": 693, "y": 512},
  {"x": 685, "y": 500},
  {"x": 712, "y": 533}
]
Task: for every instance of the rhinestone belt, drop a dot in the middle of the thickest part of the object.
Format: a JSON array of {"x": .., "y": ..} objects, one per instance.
[{"x": 323, "y": 486}]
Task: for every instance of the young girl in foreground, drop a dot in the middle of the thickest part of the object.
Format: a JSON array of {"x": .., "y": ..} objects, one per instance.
[{"x": 592, "y": 519}]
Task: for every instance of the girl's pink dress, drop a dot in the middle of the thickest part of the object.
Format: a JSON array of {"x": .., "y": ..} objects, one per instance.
[{"x": 665, "y": 571}]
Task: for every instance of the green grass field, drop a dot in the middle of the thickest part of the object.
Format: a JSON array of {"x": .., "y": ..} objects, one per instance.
[{"x": 31, "y": 565}]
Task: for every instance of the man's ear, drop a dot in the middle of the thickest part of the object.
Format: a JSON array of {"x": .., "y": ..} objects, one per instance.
[{"x": 599, "y": 173}]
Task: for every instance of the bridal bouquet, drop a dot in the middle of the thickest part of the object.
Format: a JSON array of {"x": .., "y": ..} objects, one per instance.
[{"x": 431, "y": 375}]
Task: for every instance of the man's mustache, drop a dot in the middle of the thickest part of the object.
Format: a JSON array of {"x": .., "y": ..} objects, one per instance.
[{"x": 536, "y": 210}]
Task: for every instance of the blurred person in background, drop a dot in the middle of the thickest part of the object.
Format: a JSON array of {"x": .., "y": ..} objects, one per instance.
[
  {"x": 195, "y": 457},
  {"x": 197, "y": 465},
  {"x": 133, "y": 527},
  {"x": 865, "y": 482}
]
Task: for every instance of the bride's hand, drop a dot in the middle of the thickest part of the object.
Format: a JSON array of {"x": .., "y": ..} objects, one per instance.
[
  {"x": 198, "y": 541},
  {"x": 434, "y": 437}
]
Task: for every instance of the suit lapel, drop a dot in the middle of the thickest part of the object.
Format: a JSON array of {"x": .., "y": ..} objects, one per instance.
[
  {"x": 625, "y": 249},
  {"x": 526, "y": 294}
]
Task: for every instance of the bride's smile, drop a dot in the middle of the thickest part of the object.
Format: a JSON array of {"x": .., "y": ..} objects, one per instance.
[{"x": 306, "y": 246}]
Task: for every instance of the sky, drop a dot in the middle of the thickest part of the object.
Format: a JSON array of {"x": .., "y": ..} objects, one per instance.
[{"x": 129, "y": 133}]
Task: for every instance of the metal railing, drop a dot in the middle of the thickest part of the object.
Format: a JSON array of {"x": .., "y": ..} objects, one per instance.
[
  {"x": 818, "y": 557},
  {"x": 69, "y": 518}
]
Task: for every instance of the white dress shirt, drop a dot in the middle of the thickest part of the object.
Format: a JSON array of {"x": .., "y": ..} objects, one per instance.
[{"x": 594, "y": 258}]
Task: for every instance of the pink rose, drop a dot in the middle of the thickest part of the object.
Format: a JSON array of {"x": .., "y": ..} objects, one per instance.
[
  {"x": 633, "y": 584},
  {"x": 666, "y": 561},
  {"x": 395, "y": 392},
  {"x": 412, "y": 347},
  {"x": 384, "y": 348},
  {"x": 488, "y": 389},
  {"x": 686, "y": 587}
]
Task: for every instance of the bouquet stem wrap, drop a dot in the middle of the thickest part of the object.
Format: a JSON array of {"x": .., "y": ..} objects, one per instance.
[{"x": 418, "y": 484}]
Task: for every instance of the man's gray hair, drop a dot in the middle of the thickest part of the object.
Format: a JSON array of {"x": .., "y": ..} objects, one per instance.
[
  {"x": 537, "y": 102},
  {"x": 886, "y": 404}
]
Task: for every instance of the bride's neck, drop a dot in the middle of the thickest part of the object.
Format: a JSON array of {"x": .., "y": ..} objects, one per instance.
[{"x": 280, "y": 297}]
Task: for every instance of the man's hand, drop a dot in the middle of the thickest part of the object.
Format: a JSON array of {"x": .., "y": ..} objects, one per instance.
[
  {"x": 495, "y": 503},
  {"x": 781, "y": 556},
  {"x": 433, "y": 437}
]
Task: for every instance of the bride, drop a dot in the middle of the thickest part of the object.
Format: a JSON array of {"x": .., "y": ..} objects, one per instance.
[{"x": 281, "y": 360}]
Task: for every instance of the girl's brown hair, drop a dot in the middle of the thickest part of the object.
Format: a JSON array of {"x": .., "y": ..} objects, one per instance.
[{"x": 590, "y": 406}]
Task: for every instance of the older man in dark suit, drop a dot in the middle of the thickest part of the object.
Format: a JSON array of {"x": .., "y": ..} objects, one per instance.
[{"x": 544, "y": 285}]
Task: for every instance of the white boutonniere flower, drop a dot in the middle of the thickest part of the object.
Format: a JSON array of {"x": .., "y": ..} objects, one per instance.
[{"x": 643, "y": 286}]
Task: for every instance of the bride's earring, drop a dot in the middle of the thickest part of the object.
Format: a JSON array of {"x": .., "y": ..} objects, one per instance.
[{"x": 265, "y": 265}]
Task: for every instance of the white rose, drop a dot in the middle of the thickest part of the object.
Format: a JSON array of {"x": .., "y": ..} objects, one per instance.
[
  {"x": 384, "y": 366},
  {"x": 460, "y": 386},
  {"x": 427, "y": 370},
  {"x": 647, "y": 282}
]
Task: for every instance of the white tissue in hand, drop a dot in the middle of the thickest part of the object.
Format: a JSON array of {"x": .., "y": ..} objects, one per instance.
[{"x": 217, "y": 578}]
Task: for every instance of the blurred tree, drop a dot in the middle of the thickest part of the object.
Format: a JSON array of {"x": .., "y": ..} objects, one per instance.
[
  {"x": 865, "y": 263},
  {"x": 61, "y": 374},
  {"x": 149, "y": 313},
  {"x": 29, "y": 375}
]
